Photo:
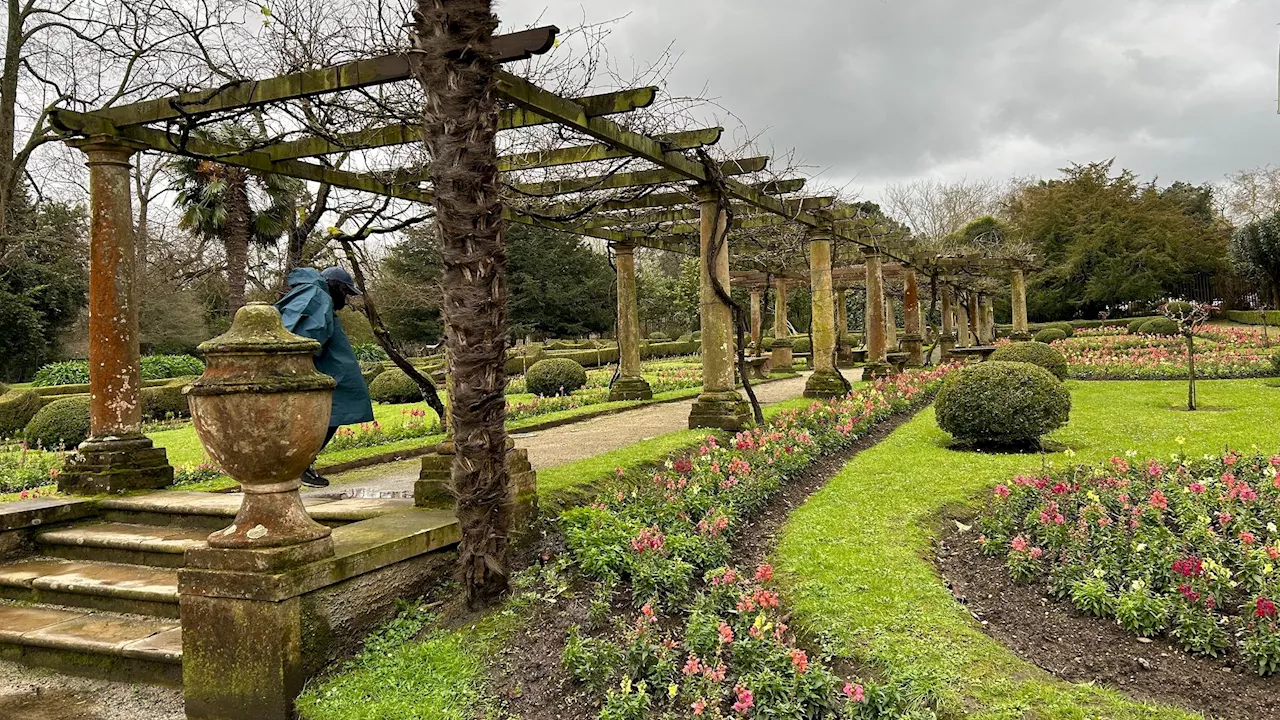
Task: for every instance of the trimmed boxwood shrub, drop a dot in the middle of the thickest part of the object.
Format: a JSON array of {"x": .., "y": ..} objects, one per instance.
[
  {"x": 1135, "y": 326},
  {"x": 1002, "y": 404},
  {"x": 659, "y": 336},
  {"x": 1159, "y": 326},
  {"x": 1036, "y": 353},
  {"x": 166, "y": 401},
  {"x": 1066, "y": 327},
  {"x": 60, "y": 424},
  {"x": 766, "y": 343},
  {"x": 394, "y": 386},
  {"x": 555, "y": 376},
  {"x": 17, "y": 407},
  {"x": 801, "y": 344},
  {"x": 1049, "y": 335}
]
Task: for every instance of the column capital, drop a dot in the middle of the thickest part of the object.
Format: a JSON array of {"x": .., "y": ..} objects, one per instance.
[
  {"x": 706, "y": 192},
  {"x": 818, "y": 234},
  {"x": 622, "y": 248},
  {"x": 870, "y": 251},
  {"x": 115, "y": 149}
]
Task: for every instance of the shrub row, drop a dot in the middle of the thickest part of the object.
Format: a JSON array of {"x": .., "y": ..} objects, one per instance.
[
  {"x": 1254, "y": 317},
  {"x": 153, "y": 367},
  {"x": 64, "y": 423}
]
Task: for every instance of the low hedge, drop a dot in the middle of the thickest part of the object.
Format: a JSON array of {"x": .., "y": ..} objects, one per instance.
[
  {"x": 1065, "y": 327},
  {"x": 555, "y": 376},
  {"x": 1005, "y": 329},
  {"x": 1002, "y": 404},
  {"x": 1036, "y": 353},
  {"x": 60, "y": 424},
  {"x": 1135, "y": 326},
  {"x": 17, "y": 407},
  {"x": 1254, "y": 317},
  {"x": 166, "y": 401},
  {"x": 1159, "y": 326},
  {"x": 1049, "y": 335},
  {"x": 394, "y": 386}
]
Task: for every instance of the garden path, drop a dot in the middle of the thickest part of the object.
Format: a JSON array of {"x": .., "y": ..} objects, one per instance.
[{"x": 565, "y": 444}]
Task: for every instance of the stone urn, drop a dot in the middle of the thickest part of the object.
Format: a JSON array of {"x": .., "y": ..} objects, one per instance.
[{"x": 261, "y": 411}]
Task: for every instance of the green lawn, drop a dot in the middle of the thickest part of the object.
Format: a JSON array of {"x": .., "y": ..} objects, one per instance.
[{"x": 853, "y": 557}]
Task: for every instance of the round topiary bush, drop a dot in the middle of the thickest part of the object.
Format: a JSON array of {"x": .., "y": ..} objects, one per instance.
[
  {"x": 1049, "y": 335},
  {"x": 394, "y": 386},
  {"x": 766, "y": 343},
  {"x": 1135, "y": 326},
  {"x": 60, "y": 424},
  {"x": 554, "y": 376},
  {"x": 1159, "y": 326},
  {"x": 17, "y": 407},
  {"x": 1036, "y": 353},
  {"x": 659, "y": 336},
  {"x": 1179, "y": 307},
  {"x": 1002, "y": 405},
  {"x": 1065, "y": 327},
  {"x": 801, "y": 344}
]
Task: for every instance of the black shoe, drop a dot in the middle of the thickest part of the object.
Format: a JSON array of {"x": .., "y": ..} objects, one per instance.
[{"x": 311, "y": 478}]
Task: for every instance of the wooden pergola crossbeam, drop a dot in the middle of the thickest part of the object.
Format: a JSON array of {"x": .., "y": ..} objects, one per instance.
[
  {"x": 686, "y": 140},
  {"x": 650, "y": 200},
  {"x": 393, "y": 134},
  {"x": 308, "y": 83},
  {"x": 690, "y": 214},
  {"x": 639, "y": 178}
]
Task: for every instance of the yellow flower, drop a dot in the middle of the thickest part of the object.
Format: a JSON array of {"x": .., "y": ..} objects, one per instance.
[{"x": 1180, "y": 440}]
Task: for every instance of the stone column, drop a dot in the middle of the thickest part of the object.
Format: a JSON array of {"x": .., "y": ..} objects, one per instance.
[
  {"x": 912, "y": 337},
  {"x": 630, "y": 385},
  {"x": 876, "y": 365},
  {"x": 1018, "y": 295},
  {"x": 890, "y": 324},
  {"x": 719, "y": 405},
  {"x": 825, "y": 382},
  {"x": 948, "y": 339},
  {"x": 781, "y": 355},
  {"x": 986, "y": 319},
  {"x": 975, "y": 320},
  {"x": 756, "y": 322},
  {"x": 842, "y": 317},
  {"x": 117, "y": 457}
]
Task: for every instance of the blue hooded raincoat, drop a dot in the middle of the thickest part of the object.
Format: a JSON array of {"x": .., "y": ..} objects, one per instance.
[{"x": 308, "y": 311}]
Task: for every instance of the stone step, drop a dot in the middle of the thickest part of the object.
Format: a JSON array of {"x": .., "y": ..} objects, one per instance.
[
  {"x": 128, "y": 543},
  {"x": 214, "y": 511},
  {"x": 96, "y": 644},
  {"x": 112, "y": 587}
]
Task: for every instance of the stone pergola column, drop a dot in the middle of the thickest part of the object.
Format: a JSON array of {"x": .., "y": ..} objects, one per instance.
[
  {"x": 756, "y": 322},
  {"x": 780, "y": 358},
  {"x": 912, "y": 337},
  {"x": 630, "y": 385},
  {"x": 1018, "y": 295},
  {"x": 986, "y": 319},
  {"x": 842, "y": 316},
  {"x": 890, "y": 324},
  {"x": 948, "y": 339},
  {"x": 117, "y": 457},
  {"x": 975, "y": 320},
  {"x": 826, "y": 381},
  {"x": 719, "y": 405},
  {"x": 877, "y": 365}
]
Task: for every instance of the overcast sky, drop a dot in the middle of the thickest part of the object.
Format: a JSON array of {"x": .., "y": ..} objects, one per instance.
[{"x": 879, "y": 91}]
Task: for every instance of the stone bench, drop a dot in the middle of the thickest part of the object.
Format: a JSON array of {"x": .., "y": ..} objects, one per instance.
[
  {"x": 758, "y": 367},
  {"x": 982, "y": 352}
]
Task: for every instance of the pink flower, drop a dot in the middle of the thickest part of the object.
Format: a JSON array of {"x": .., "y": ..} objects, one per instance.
[
  {"x": 698, "y": 706},
  {"x": 1247, "y": 537},
  {"x": 726, "y": 633},
  {"x": 1158, "y": 500},
  {"x": 853, "y": 692},
  {"x": 800, "y": 660},
  {"x": 764, "y": 573},
  {"x": 692, "y": 666},
  {"x": 1035, "y": 553},
  {"x": 745, "y": 700},
  {"x": 1196, "y": 488},
  {"x": 714, "y": 674},
  {"x": 1002, "y": 491},
  {"x": 1019, "y": 544}
]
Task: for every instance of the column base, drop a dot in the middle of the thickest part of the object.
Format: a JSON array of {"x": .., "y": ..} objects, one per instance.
[
  {"x": 781, "y": 358},
  {"x": 115, "y": 465},
  {"x": 947, "y": 344},
  {"x": 1020, "y": 336},
  {"x": 432, "y": 486},
  {"x": 873, "y": 370},
  {"x": 723, "y": 410},
  {"x": 630, "y": 388},
  {"x": 825, "y": 384},
  {"x": 914, "y": 347}
]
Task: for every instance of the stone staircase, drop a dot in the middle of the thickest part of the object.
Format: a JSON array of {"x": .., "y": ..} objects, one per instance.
[{"x": 98, "y": 595}]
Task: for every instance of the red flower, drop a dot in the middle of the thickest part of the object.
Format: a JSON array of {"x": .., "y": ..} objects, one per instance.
[
  {"x": 764, "y": 573},
  {"x": 1158, "y": 500},
  {"x": 1265, "y": 609},
  {"x": 800, "y": 660},
  {"x": 1247, "y": 537}
]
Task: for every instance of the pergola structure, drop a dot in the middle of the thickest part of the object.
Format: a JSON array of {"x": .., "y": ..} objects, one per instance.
[{"x": 678, "y": 201}]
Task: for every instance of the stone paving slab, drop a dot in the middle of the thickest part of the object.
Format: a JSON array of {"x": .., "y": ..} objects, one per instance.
[
  {"x": 164, "y": 646},
  {"x": 22, "y": 573},
  {"x": 127, "y": 536},
  {"x": 187, "y": 502},
  {"x": 132, "y": 582},
  {"x": 17, "y": 620},
  {"x": 42, "y": 511},
  {"x": 101, "y": 633}
]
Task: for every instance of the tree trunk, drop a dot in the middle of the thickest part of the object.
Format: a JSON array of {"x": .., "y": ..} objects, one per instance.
[
  {"x": 235, "y": 238},
  {"x": 9, "y": 172},
  {"x": 455, "y": 66}
]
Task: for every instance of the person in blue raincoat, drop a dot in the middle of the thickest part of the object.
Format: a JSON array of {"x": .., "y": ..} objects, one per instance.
[{"x": 310, "y": 310}]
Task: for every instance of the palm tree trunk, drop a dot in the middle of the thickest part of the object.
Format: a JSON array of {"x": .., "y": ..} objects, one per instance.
[
  {"x": 454, "y": 63},
  {"x": 235, "y": 239}
]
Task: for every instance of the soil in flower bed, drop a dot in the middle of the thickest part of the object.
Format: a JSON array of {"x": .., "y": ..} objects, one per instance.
[
  {"x": 528, "y": 677},
  {"x": 1056, "y": 637}
]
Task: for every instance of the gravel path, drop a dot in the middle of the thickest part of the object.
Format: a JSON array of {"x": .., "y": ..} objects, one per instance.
[{"x": 36, "y": 694}]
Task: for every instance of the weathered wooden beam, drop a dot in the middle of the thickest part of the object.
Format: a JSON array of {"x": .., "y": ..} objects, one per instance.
[
  {"x": 692, "y": 213},
  {"x": 347, "y": 76},
  {"x": 665, "y": 199},
  {"x": 90, "y": 124},
  {"x": 594, "y": 153},
  {"x": 405, "y": 133},
  {"x": 640, "y": 178},
  {"x": 748, "y": 222}
]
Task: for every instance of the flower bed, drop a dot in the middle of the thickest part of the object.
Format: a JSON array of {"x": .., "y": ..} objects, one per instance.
[
  {"x": 1221, "y": 353},
  {"x": 24, "y": 469},
  {"x": 711, "y": 640},
  {"x": 1186, "y": 550}
]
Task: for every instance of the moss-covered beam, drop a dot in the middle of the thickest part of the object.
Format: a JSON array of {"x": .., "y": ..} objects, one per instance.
[
  {"x": 90, "y": 124},
  {"x": 673, "y": 199},
  {"x": 308, "y": 83},
  {"x": 595, "y": 153},
  {"x": 404, "y": 133},
  {"x": 691, "y": 213},
  {"x": 748, "y": 222},
  {"x": 640, "y": 178}
]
